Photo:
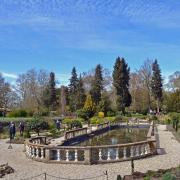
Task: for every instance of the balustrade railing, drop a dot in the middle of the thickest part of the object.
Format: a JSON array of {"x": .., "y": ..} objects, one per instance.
[
  {"x": 37, "y": 149},
  {"x": 75, "y": 133}
]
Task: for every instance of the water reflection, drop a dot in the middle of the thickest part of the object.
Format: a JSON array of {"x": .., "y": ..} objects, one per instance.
[{"x": 118, "y": 136}]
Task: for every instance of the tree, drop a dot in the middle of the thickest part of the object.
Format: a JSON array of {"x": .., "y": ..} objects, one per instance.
[
  {"x": 5, "y": 91},
  {"x": 97, "y": 85},
  {"x": 52, "y": 86},
  {"x": 81, "y": 96},
  {"x": 145, "y": 73},
  {"x": 121, "y": 83},
  {"x": 63, "y": 100},
  {"x": 89, "y": 107},
  {"x": 37, "y": 124},
  {"x": 30, "y": 87},
  {"x": 171, "y": 101},
  {"x": 73, "y": 89},
  {"x": 156, "y": 84},
  {"x": 105, "y": 104},
  {"x": 174, "y": 81}
]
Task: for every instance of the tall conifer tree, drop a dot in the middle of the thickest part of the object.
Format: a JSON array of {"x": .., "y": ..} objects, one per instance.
[
  {"x": 97, "y": 85},
  {"x": 73, "y": 89},
  {"x": 156, "y": 84},
  {"x": 52, "y": 85},
  {"x": 121, "y": 83}
]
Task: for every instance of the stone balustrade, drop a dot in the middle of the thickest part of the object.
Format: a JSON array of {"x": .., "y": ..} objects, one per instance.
[
  {"x": 75, "y": 133},
  {"x": 90, "y": 155}
]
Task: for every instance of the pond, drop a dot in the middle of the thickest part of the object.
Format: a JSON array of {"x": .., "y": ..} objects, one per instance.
[{"x": 117, "y": 136}]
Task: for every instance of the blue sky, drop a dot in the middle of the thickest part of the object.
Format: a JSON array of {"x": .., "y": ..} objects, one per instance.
[{"x": 59, "y": 34}]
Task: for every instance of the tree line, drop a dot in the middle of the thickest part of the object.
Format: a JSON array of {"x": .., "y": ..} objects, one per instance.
[{"x": 98, "y": 90}]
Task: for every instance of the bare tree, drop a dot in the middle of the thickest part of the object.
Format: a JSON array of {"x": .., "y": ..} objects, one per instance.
[
  {"x": 145, "y": 73},
  {"x": 31, "y": 86}
]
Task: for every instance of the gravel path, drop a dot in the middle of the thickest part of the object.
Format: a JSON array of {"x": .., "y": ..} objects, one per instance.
[{"x": 26, "y": 168}]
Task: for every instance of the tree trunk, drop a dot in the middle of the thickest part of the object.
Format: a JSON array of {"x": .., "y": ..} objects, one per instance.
[{"x": 158, "y": 106}]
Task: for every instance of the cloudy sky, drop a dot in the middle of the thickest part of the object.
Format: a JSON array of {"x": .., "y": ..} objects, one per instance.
[{"x": 59, "y": 34}]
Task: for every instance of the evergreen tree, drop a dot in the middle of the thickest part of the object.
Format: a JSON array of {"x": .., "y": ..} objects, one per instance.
[
  {"x": 81, "y": 97},
  {"x": 121, "y": 83},
  {"x": 156, "y": 84},
  {"x": 73, "y": 89},
  {"x": 63, "y": 100},
  {"x": 52, "y": 85},
  {"x": 97, "y": 85},
  {"x": 89, "y": 107},
  {"x": 104, "y": 104}
]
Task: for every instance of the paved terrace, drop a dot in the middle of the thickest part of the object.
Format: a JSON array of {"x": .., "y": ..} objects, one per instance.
[{"x": 26, "y": 168}]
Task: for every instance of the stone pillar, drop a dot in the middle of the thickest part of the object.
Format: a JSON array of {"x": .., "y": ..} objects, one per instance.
[
  {"x": 47, "y": 154},
  {"x": 87, "y": 156}
]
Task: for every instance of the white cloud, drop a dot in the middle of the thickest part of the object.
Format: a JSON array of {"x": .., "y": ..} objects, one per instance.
[
  {"x": 63, "y": 79},
  {"x": 9, "y": 75}
]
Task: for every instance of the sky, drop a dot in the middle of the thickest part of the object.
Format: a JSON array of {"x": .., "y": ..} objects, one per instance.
[{"x": 58, "y": 34}]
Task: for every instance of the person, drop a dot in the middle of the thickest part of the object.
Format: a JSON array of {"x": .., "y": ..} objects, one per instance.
[
  {"x": 21, "y": 128},
  {"x": 11, "y": 130},
  {"x": 58, "y": 124}
]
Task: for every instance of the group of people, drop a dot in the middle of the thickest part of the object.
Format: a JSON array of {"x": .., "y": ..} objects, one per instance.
[{"x": 12, "y": 129}]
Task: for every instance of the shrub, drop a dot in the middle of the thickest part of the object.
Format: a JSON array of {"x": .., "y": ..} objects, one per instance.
[
  {"x": 168, "y": 176},
  {"x": 111, "y": 113},
  {"x": 101, "y": 114},
  {"x": 53, "y": 132},
  {"x": 81, "y": 113},
  {"x": 118, "y": 118},
  {"x": 27, "y": 134},
  {"x": 37, "y": 124},
  {"x": 76, "y": 123},
  {"x": 18, "y": 113},
  {"x": 96, "y": 120},
  {"x": 73, "y": 123}
]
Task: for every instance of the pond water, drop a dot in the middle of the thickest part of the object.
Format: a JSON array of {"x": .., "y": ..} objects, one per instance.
[{"x": 117, "y": 136}]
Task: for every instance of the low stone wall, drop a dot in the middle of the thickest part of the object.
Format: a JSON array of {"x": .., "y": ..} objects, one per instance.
[{"x": 89, "y": 154}]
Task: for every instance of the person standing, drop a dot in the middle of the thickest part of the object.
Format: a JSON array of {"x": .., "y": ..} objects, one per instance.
[
  {"x": 21, "y": 128},
  {"x": 13, "y": 130}
]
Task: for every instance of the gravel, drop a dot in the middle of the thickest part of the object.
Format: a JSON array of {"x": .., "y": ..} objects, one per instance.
[{"x": 25, "y": 168}]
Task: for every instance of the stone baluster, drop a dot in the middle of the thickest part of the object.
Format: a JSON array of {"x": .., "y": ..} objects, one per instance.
[
  {"x": 100, "y": 154},
  {"x": 58, "y": 154},
  {"x": 76, "y": 155},
  {"x": 37, "y": 152},
  {"x": 132, "y": 151},
  {"x": 124, "y": 153},
  {"x": 67, "y": 155},
  {"x": 27, "y": 149},
  {"x": 146, "y": 148},
  {"x": 109, "y": 155},
  {"x": 142, "y": 150},
  {"x": 137, "y": 151},
  {"x": 117, "y": 153},
  {"x": 42, "y": 153},
  {"x": 33, "y": 151}
]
